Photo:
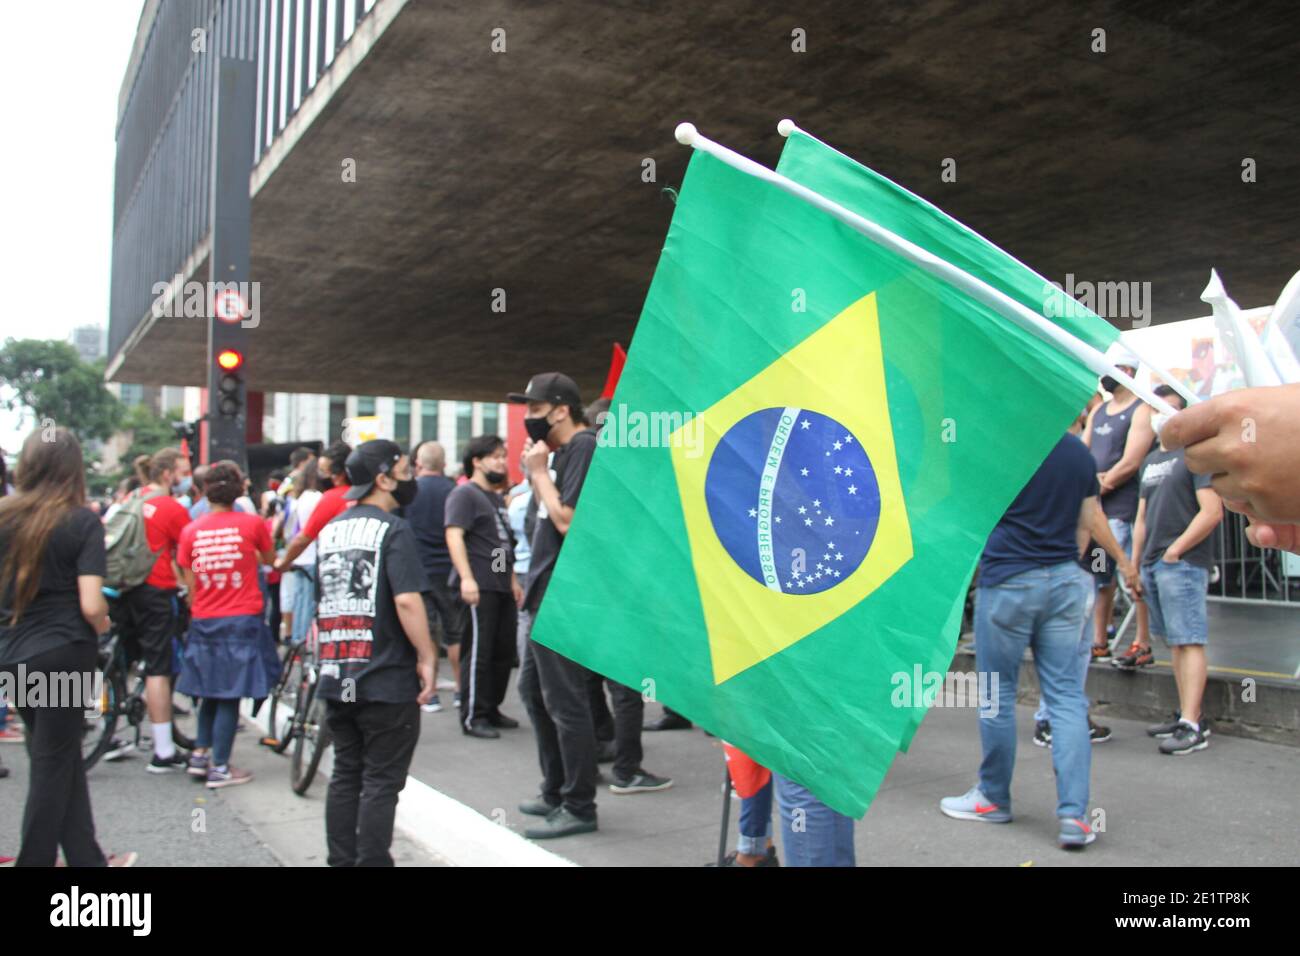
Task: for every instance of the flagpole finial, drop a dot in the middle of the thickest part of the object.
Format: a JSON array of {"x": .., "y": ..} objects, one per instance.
[
  {"x": 686, "y": 133},
  {"x": 786, "y": 127}
]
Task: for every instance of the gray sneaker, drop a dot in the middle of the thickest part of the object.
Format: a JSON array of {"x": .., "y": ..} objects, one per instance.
[
  {"x": 1165, "y": 729},
  {"x": 640, "y": 782},
  {"x": 560, "y": 823},
  {"x": 1184, "y": 740},
  {"x": 1075, "y": 832}
]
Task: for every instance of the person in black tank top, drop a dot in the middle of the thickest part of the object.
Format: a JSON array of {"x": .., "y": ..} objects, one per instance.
[{"x": 1119, "y": 435}]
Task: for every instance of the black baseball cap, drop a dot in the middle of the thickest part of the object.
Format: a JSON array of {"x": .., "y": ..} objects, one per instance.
[
  {"x": 367, "y": 462},
  {"x": 554, "y": 387}
]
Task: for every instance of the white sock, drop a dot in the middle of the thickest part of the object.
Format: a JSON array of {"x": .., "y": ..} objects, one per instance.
[
  {"x": 163, "y": 747},
  {"x": 1194, "y": 726}
]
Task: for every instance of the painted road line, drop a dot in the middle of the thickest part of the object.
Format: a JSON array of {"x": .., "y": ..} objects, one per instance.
[{"x": 443, "y": 826}]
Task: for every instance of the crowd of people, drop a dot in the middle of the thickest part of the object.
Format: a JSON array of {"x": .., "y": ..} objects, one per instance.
[{"x": 395, "y": 564}]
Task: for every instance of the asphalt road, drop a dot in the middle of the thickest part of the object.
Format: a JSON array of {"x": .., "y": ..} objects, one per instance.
[{"x": 1232, "y": 804}]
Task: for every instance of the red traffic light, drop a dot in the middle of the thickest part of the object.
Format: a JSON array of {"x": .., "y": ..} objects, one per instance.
[{"x": 229, "y": 359}]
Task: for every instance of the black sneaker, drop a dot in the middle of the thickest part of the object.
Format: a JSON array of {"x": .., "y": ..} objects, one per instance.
[
  {"x": 538, "y": 807},
  {"x": 1184, "y": 740},
  {"x": 480, "y": 728},
  {"x": 1043, "y": 733},
  {"x": 669, "y": 722},
  {"x": 560, "y": 823},
  {"x": 177, "y": 761},
  {"x": 1097, "y": 733},
  {"x": 500, "y": 720},
  {"x": 768, "y": 860},
  {"x": 640, "y": 782}
]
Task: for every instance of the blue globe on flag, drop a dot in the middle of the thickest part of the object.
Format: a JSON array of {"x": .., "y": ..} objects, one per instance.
[{"x": 793, "y": 498}]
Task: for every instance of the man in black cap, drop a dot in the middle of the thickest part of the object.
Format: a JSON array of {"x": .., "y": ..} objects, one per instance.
[
  {"x": 554, "y": 688},
  {"x": 376, "y": 656}
]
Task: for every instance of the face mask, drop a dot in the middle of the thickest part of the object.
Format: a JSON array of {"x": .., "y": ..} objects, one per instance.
[
  {"x": 324, "y": 483},
  {"x": 1109, "y": 384},
  {"x": 537, "y": 428},
  {"x": 405, "y": 491},
  {"x": 183, "y": 486},
  {"x": 495, "y": 477}
]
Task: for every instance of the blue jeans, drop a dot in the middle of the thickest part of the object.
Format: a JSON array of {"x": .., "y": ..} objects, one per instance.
[
  {"x": 1043, "y": 609},
  {"x": 1085, "y": 652},
  {"x": 756, "y": 822},
  {"x": 813, "y": 834},
  {"x": 304, "y": 601},
  {"x": 217, "y": 722}
]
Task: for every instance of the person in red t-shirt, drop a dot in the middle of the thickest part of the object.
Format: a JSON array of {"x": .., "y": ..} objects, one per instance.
[
  {"x": 334, "y": 477},
  {"x": 148, "y": 611},
  {"x": 230, "y": 653}
]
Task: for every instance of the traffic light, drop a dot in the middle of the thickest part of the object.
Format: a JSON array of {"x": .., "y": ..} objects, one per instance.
[{"x": 230, "y": 391}]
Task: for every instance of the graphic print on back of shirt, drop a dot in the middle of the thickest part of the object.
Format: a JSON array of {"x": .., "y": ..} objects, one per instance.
[{"x": 348, "y": 553}]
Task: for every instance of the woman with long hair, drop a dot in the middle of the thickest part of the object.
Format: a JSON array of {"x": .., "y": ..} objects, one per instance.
[
  {"x": 230, "y": 653},
  {"x": 51, "y": 610}
]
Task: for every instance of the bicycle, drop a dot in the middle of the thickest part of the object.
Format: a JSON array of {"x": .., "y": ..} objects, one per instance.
[
  {"x": 121, "y": 696},
  {"x": 308, "y": 731}
]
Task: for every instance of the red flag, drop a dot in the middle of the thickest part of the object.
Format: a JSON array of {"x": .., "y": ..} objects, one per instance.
[
  {"x": 747, "y": 777},
  {"x": 616, "y": 363}
]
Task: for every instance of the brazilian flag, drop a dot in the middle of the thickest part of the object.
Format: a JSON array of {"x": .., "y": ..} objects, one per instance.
[{"x": 809, "y": 445}]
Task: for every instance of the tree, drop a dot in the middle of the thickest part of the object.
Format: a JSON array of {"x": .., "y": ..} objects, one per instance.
[
  {"x": 150, "y": 432},
  {"x": 49, "y": 378}
]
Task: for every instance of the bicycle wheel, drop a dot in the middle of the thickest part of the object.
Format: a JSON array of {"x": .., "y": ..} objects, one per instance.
[
  {"x": 97, "y": 730},
  {"x": 311, "y": 740},
  {"x": 282, "y": 698}
]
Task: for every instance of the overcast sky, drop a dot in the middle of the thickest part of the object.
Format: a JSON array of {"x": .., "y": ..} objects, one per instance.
[{"x": 60, "y": 75}]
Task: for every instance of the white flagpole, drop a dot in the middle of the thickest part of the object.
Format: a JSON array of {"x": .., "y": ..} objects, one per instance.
[
  {"x": 976, "y": 288},
  {"x": 1176, "y": 384},
  {"x": 788, "y": 126}
]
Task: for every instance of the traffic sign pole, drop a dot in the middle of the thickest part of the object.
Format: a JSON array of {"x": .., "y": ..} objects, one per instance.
[{"x": 228, "y": 265}]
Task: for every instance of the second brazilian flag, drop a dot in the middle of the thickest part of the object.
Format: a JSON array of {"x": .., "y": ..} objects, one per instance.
[{"x": 808, "y": 448}]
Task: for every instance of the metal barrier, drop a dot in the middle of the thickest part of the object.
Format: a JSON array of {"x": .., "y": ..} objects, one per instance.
[
  {"x": 162, "y": 190},
  {"x": 1247, "y": 574}
]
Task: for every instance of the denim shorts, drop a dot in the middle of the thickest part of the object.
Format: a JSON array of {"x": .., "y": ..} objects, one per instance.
[
  {"x": 1175, "y": 599},
  {"x": 1123, "y": 532}
]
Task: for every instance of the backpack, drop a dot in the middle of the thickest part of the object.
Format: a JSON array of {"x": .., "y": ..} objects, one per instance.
[{"x": 130, "y": 558}]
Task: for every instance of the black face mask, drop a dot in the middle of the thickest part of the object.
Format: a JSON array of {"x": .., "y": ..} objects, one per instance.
[
  {"x": 1109, "y": 384},
  {"x": 495, "y": 477},
  {"x": 324, "y": 483},
  {"x": 537, "y": 428},
  {"x": 405, "y": 491}
]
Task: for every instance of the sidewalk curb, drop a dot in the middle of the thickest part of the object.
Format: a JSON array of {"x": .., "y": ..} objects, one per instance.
[{"x": 447, "y": 828}]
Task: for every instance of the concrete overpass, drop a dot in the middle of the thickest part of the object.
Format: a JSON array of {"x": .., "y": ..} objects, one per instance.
[{"x": 521, "y": 170}]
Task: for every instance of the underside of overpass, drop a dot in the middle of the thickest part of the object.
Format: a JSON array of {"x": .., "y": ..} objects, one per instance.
[{"x": 522, "y": 170}]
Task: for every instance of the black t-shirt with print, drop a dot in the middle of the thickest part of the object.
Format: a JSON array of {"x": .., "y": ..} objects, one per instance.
[
  {"x": 53, "y": 619},
  {"x": 1169, "y": 489},
  {"x": 488, "y": 539},
  {"x": 571, "y": 464},
  {"x": 364, "y": 557}
]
